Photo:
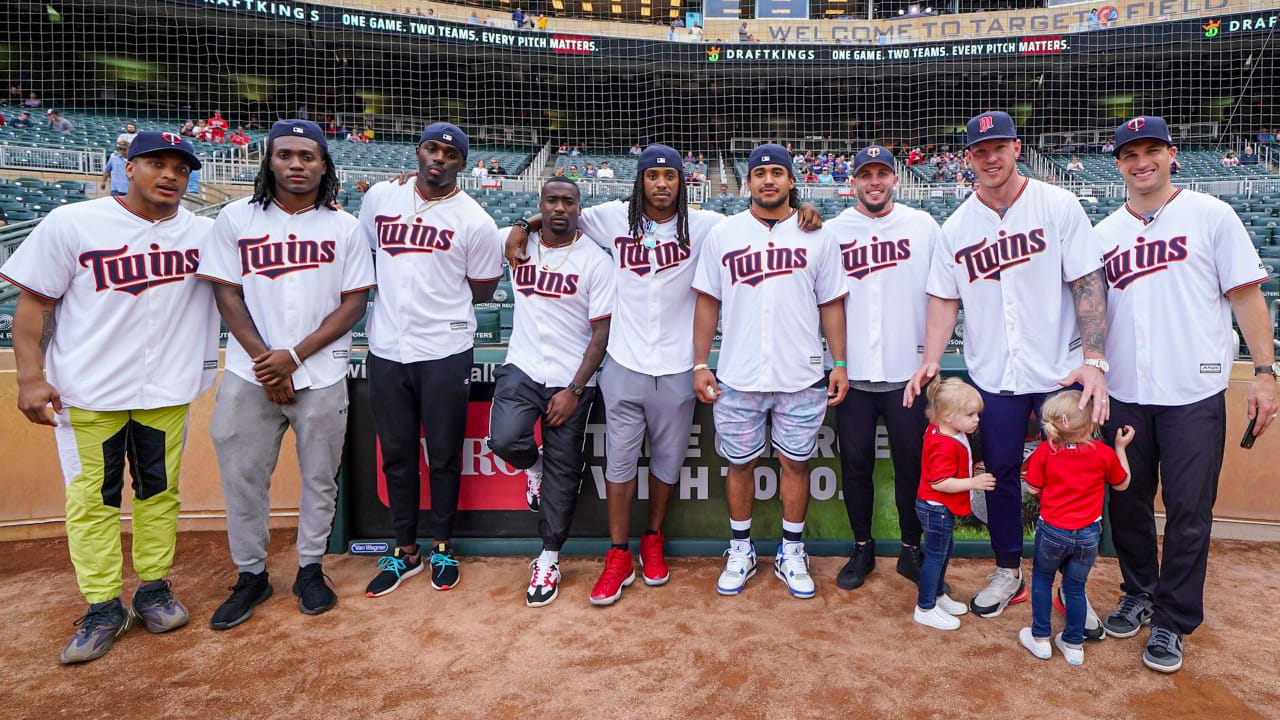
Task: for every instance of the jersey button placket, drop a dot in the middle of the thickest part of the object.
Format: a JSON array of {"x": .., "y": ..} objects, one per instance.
[
  {"x": 875, "y": 331},
  {"x": 1012, "y": 330},
  {"x": 766, "y": 332}
]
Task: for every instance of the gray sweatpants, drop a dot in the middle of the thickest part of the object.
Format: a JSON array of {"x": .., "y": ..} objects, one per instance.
[{"x": 246, "y": 429}]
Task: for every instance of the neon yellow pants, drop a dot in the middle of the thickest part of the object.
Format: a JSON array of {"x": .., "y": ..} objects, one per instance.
[{"x": 93, "y": 447}]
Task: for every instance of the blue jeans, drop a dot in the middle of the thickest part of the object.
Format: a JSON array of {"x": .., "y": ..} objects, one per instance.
[
  {"x": 1073, "y": 552},
  {"x": 937, "y": 541}
]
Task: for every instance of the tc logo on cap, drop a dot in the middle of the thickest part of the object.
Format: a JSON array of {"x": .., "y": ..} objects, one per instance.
[
  {"x": 661, "y": 160},
  {"x": 299, "y": 130},
  {"x": 447, "y": 136},
  {"x": 764, "y": 158},
  {"x": 873, "y": 152},
  {"x": 985, "y": 123},
  {"x": 1136, "y": 124},
  {"x": 171, "y": 138}
]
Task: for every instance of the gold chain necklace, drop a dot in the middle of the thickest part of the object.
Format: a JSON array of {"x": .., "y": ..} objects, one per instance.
[
  {"x": 430, "y": 202},
  {"x": 572, "y": 244}
]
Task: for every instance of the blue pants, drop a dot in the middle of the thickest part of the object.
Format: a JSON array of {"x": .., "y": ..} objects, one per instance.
[
  {"x": 1073, "y": 552},
  {"x": 937, "y": 542},
  {"x": 1003, "y": 428}
]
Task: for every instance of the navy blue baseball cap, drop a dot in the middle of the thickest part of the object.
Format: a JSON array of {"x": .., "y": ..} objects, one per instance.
[
  {"x": 659, "y": 156},
  {"x": 154, "y": 141},
  {"x": 770, "y": 154},
  {"x": 449, "y": 134},
  {"x": 1143, "y": 126},
  {"x": 298, "y": 128},
  {"x": 873, "y": 154},
  {"x": 994, "y": 125}
]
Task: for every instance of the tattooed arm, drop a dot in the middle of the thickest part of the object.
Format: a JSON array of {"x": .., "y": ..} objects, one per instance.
[
  {"x": 1090, "y": 296},
  {"x": 33, "y": 325}
]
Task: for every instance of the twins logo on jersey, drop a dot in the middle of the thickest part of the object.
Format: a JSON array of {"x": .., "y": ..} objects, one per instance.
[
  {"x": 634, "y": 256},
  {"x": 273, "y": 259},
  {"x": 395, "y": 238},
  {"x": 986, "y": 260},
  {"x": 528, "y": 281},
  {"x": 114, "y": 270},
  {"x": 1145, "y": 258},
  {"x": 752, "y": 267},
  {"x": 862, "y": 260}
]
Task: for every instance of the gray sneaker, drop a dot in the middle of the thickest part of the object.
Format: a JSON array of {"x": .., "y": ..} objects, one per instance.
[
  {"x": 1004, "y": 586},
  {"x": 1133, "y": 612},
  {"x": 157, "y": 608},
  {"x": 1164, "y": 650},
  {"x": 97, "y": 632}
]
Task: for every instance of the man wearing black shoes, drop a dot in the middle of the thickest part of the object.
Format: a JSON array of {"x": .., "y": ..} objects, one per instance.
[{"x": 885, "y": 248}]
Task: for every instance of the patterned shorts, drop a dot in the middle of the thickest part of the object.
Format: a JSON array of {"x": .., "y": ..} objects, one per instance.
[{"x": 794, "y": 419}]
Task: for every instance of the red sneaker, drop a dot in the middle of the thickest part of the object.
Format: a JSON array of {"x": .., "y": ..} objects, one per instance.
[
  {"x": 619, "y": 572},
  {"x": 653, "y": 560}
]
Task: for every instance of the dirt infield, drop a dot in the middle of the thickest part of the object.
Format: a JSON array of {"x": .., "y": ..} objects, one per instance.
[{"x": 678, "y": 651}]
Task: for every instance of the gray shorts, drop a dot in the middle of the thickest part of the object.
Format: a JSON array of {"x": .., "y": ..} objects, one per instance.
[{"x": 635, "y": 402}]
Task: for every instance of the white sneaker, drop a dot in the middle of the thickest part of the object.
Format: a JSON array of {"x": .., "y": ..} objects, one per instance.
[
  {"x": 791, "y": 565},
  {"x": 1003, "y": 587},
  {"x": 1040, "y": 648},
  {"x": 951, "y": 607},
  {"x": 739, "y": 566},
  {"x": 1074, "y": 655},
  {"x": 544, "y": 586},
  {"x": 533, "y": 484},
  {"x": 936, "y": 618}
]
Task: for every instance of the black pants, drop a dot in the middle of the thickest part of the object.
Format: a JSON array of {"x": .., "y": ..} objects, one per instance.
[
  {"x": 856, "y": 425},
  {"x": 519, "y": 402},
  {"x": 413, "y": 401},
  {"x": 1180, "y": 449}
]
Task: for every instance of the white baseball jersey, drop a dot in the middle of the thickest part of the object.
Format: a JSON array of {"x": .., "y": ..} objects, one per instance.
[
  {"x": 1170, "y": 339},
  {"x": 294, "y": 269},
  {"x": 1011, "y": 274},
  {"x": 559, "y": 293},
  {"x": 652, "y": 327},
  {"x": 136, "y": 330},
  {"x": 886, "y": 260},
  {"x": 770, "y": 282},
  {"x": 425, "y": 252}
]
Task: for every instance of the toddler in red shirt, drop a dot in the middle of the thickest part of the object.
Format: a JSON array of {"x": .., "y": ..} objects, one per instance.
[
  {"x": 1070, "y": 472},
  {"x": 946, "y": 477}
]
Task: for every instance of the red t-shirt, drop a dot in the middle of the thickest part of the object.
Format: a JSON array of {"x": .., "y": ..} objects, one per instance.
[
  {"x": 944, "y": 457},
  {"x": 239, "y": 139},
  {"x": 218, "y": 128},
  {"x": 1071, "y": 479}
]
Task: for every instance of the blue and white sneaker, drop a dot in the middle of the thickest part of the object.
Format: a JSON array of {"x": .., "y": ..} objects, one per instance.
[
  {"x": 394, "y": 569},
  {"x": 739, "y": 566},
  {"x": 792, "y": 567}
]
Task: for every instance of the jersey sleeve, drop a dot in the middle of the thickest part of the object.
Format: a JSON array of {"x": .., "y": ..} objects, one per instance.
[
  {"x": 1081, "y": 246},
  {"x": 706, "y": 276},
  {"x": 45, "y": 263},
  {"x": 938, "y": 464},
  {"x": 602, "y": 291},
  {"x": 484, "y": 256},
  {"x": 1115, "y": 471},
  {"x": 1234, "y": 256},
  {"x": 1036, "y": 466},
  {"x": 942, "y": 276},
  {"x": 219, "y": 259},
  {"x": 829, "y": 281},
  {"x": 357, "y": 268},
  {"x": 594, "y": 222}
]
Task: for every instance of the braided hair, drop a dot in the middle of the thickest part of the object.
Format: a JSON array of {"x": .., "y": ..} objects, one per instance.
[
  {"x": 264, "y": 185},
  {"x": 635, "y": 210}
]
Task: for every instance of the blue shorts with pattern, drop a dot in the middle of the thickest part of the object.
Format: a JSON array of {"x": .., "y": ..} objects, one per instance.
[{"x": 794, "y": 419}]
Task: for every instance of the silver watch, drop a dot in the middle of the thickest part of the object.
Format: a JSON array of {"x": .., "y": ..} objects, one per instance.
[{"x": 1099, "y": 363}]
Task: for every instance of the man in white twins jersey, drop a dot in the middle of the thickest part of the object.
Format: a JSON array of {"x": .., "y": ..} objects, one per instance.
[
  {"x": 1023, "y": 258},
  {"x": 647, "y": 383},
  {"x": 780, "y": 290},
  {"x": 564, "y": 300},
  {"x": 435, "y": 255},
  {"x": 885, "y": 250},
  {"x": 1178, "y": 263},
  {"x": 292, "y": 275},
  {"x": 109, "y": 292}
]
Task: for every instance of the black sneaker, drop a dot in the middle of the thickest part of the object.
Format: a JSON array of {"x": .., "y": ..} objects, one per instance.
[
  {"x": 1164, "y": 650},
  {"x": 444, "y": 567},
  {"x": 909, "y": 559},
  {"x": 249, "y": 591},
  {"x": 1133, "y": 612},
  {"x": 861, "y": 562},
  {"x": 314, "y": 594},
  {"x": 395, "y": 568},
  {"x": 97, "y": 631}
]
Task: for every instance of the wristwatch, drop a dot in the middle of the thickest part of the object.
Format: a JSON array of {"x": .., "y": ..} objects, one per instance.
[
  {"x": 575, "y": 389},
  {"x": 522, "y": 224},
  {"x": 1099, "y": 363},
  {"x": 1273, "y": 370}
]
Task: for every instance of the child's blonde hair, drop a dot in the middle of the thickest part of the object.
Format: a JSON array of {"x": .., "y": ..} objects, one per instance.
[
  {"x": 948, "y": 396},
  {"x": 1064, "y": 421}
]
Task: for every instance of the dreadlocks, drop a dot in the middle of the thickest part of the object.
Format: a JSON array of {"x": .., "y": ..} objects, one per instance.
[
  {"x": 635, "y": 210},
  {"x": 264, "y": 185}
]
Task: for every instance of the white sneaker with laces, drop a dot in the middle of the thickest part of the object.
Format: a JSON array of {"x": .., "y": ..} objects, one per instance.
[
  {"x": 1002, "y": 586},
  {"x": 1074, "y": 655},
  {"x": 951, "y": 607},
  {"x": 739, "y": 566},
  {"x": 533, "y": 484},
  {"x": 544, "y": 585},
  {"x": 791, "y": 566},
  {"x": 1040, "y": 648},
  {"x": 936, "y": 618}
]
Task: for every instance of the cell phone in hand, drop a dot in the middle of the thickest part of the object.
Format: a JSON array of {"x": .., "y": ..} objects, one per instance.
[{"x": 1247, "y": 441}]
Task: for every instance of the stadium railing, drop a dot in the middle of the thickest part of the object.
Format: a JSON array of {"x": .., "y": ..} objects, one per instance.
[{"x": 75, "y": 160}]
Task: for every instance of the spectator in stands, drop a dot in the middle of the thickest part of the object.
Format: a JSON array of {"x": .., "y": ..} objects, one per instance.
[
  {"x": 698, "y": 177},
  {"x": 968, "y": 175},
  {"x": 606, "y": 172},
  {"x": 496, "y": 169},
  {"x": 590, "y": 172},
  {"x": 564, "y": 149},
  {"x": 367, "y": 134},
  {"x": 430, "y": 13},
  {"x": 218, "y": 127},
  {"x": 724, "y": 192},
  {"x": 810, "y": 175},
  {"x": 915, "y": 157},
  {"x": 1073, "y": 167},
  {"x": 1108, "y": 147},
  {"x": 240, "y": 140},
  {"x": 1266, "y": 136},
  {"x": 1174, "y": 166},
  {"x": 32, "y": 100},
  {"x": 331, "y": 128},
  {"x": 114, "y": 173},
  {"x": 517, "y": 18},
  {"x": 1229, "y": 160},
  {"x": 542, "y": 22},
  {"x": 962, "y": 188},
  {"x": 824, "y": 177},
  {"x": 695, "y": 33},
  {"x": 130, "y": 132},
  {"x": 840, "y": 171},
  {"x": 1093, "y": 19},
  {"x": 188, "y": 129},
  {"x": 574, "y": 173},
  {"x": 474, "y": 19},
  {"x": 201, "y": 131},
  {"x": 559, "y": 171},
  {"x": 351, "y": 135},
  {"x": 362, "y": 186},
  {"x": 940, "y": 173},
  {"x": 57, "y": 123},
  {"x": 1248, "y": 157},
  {"x": 1, "y": 120},
  {"x": 743, "y": 34},
  {"x": 15, "y": 95},
  {"x": 797, "y": 158},
  {"x": 23, "y": 121},
  {"x": 480, "y": 171},
  {"x": 636, "y": 149},
  {"x": 490, "y": 22}
]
